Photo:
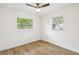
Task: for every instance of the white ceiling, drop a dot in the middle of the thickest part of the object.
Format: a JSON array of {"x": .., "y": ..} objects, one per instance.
[{"x": 23, "y": 7}]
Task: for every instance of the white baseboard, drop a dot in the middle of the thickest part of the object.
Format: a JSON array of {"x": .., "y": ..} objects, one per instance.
[
  {"x": 60, "y": 45},
  {"x": 18, "y": 44}
]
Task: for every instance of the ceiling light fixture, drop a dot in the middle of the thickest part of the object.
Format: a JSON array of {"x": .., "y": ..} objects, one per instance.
[{"x": 37, "y": 10}]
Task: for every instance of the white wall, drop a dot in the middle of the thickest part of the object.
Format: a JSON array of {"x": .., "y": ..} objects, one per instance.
[
  {"x": 69, "y": 37},
  {"x": 10, "y": 36}
]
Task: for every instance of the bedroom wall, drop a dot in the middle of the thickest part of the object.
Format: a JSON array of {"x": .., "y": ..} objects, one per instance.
[
  {"x": 67, "y": 38},
  {"x": 10, "y": 36}
]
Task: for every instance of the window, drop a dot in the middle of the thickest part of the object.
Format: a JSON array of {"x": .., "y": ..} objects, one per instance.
[
  {"x": 24, "y": 23},
  {"x": 57, "y": 23}
]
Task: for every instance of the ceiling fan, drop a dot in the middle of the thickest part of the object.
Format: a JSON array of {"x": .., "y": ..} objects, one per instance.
[{"x": 37, "y": 5}]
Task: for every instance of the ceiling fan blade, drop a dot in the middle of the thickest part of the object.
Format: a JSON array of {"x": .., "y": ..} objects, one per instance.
[
  {"x": 44, "y": 5},
  {"x": 31, "y": 5}
]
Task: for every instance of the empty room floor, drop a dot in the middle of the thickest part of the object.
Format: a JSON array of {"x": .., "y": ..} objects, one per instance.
[{"x": 39, "y": 47}]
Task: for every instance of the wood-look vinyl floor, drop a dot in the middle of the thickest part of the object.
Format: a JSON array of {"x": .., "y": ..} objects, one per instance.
[{"x": 38, "y": 48}]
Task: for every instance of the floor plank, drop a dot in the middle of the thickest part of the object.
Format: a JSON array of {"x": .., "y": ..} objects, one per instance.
[{"x": 39, "y": 47}]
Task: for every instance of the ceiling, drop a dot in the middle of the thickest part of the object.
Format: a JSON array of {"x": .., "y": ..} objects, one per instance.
[{"x": 23, "y": 7}]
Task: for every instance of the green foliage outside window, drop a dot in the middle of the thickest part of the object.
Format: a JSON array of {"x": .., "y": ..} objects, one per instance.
[
  {"x": 24, "y": 23},
  {"x": 58, "y": 20},
  {"x": 58, "y": 23}
]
